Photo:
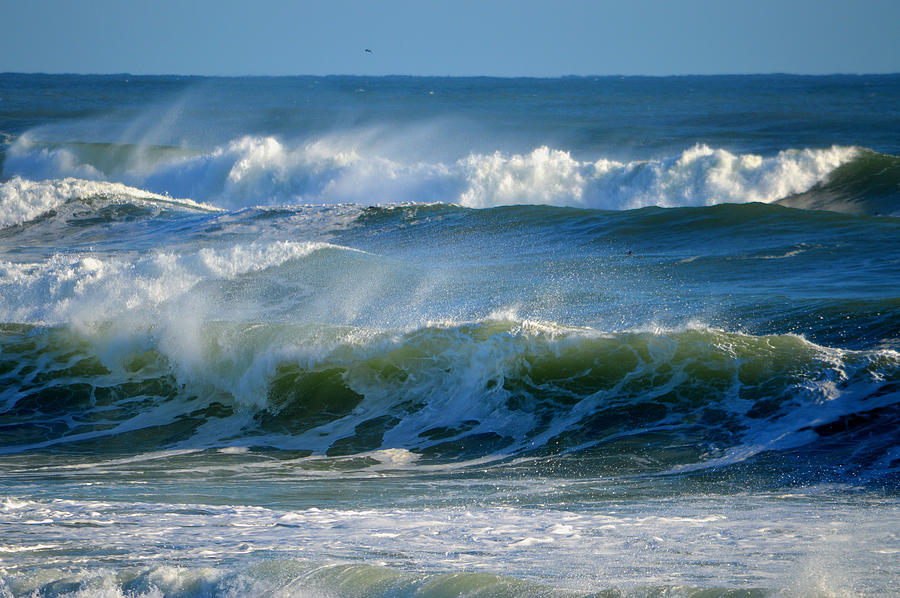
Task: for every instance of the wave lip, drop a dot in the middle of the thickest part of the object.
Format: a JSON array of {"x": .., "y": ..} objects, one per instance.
[{"x": 253, "y": 171}]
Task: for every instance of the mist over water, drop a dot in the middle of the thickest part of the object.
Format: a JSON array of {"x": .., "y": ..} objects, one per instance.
[{"x": 421, "y": 336}]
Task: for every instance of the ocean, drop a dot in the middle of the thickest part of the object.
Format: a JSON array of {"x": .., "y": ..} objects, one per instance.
[{"x": 422, "y": 336}]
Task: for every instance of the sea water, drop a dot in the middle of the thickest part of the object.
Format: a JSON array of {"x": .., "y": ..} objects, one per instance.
[{"x": 348, "y": 336}]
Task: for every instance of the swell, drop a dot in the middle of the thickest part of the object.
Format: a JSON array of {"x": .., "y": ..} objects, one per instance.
[{"x": 626, "y": 402}]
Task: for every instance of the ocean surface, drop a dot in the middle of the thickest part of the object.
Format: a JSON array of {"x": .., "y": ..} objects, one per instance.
[{"x": 434, "y": 337}]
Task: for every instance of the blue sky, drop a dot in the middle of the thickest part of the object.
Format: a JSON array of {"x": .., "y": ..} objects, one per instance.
[{"x": 501, "y": 37}]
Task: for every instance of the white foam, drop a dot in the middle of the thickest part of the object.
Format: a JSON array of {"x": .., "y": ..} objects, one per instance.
[
  {"x": 700, "y": 176},
  {"x": 628, "y": 543}
]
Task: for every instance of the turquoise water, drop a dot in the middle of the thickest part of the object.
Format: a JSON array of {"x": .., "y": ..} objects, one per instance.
[{"x": 435, "y": 337}]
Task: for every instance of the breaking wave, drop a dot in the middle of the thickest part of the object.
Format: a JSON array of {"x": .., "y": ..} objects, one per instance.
[
  {"x": 631, "y": 401},
  {"x": 253, "y": 171},
  {"x": 23, "y": 200}
]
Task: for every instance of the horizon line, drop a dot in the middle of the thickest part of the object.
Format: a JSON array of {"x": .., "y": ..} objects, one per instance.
[{"x": 481, "y": 76}]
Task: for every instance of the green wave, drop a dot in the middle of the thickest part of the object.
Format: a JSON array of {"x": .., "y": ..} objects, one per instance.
[{"x": 640, "y": 401}]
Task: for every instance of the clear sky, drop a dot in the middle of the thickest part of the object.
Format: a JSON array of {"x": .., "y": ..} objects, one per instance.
[{"x": 462, "y": 37}]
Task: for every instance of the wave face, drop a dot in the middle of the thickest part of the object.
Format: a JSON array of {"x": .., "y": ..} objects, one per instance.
[{"x": 401, "y": 336}]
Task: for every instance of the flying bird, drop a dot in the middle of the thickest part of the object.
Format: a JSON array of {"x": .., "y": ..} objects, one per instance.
[{"x": 369, "y": 51}]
